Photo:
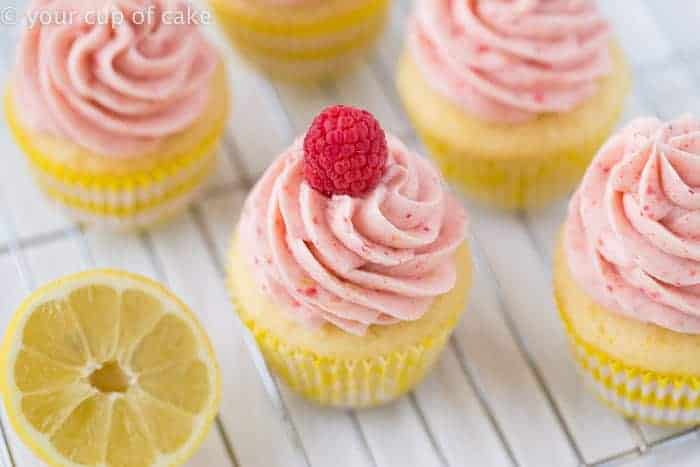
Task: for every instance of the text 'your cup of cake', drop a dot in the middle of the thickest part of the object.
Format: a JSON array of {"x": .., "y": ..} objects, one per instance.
[
  {"x": 118, "y": 107},
  {"x": 512, "y": 97},
  {"x": 349, "y": 264},
  {"x": 627, "y": 272}
]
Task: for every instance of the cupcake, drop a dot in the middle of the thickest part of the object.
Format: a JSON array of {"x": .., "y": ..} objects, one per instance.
[
  {"x": 302, "y": 39},
  {"x": 627, "y": 272},
  {"x": 118, "y": 117},
  {"x": 349, "y": 264},
  {"x": 512, "y": 98}
]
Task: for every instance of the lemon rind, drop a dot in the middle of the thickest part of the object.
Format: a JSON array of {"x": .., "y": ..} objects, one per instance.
[{"x": 37, "y": 441}]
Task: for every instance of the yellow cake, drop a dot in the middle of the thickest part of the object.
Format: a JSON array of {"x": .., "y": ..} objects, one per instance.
[
  {"x": 302, "y": 41},
  {"x": 334, "y": 368},
  {"x": 639, "y": 369},
  {"x": 350, "y": 289},
  {"x": 626, "y": 272},
  {"x": 126, "y": 193},
  {"x": 122, "y": 141},
  {"x": 499, "y": 153},
  {"x": 513, "y": 166}
]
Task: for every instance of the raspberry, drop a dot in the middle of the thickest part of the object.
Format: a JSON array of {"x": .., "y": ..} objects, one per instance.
[{"x": 345, "y": 152}]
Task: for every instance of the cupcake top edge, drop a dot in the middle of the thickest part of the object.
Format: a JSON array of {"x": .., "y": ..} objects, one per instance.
[
  {"x": 510, "y": 60},
  {"x": 632, "y": 236},
  {"x": 330, "y": 250},
  {"x": 115, "y": 77}
]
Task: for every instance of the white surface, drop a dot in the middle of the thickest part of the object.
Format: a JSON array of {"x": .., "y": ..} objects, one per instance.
[{"x": 505, "y": 392}]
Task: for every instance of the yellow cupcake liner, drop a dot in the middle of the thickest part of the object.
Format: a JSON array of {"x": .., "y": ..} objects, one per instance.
[
  {"x": 153, "y": 217},
  {"x": 516, "y": 183},
  {"x": 637, "y": 393},
  {"x": 290, "y": 50},
  {"x": 137, "y": 179},
  {"x": 336, "y": 45},
  {"x": 512, "y": 166},
  {"x": 297, "y": 25},
  {"x": 309, "y": 70},
  {"x": 120, "y": 201},
  {"x": 129, "y": 208},
  {"x": 341, "y": 382},
  {"x": 306, "y": 72},
  {"x": 339, "y": 375}
]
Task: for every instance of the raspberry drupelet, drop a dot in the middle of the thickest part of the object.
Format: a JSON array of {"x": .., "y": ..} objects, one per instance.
[{"x": 345, "y": 152}]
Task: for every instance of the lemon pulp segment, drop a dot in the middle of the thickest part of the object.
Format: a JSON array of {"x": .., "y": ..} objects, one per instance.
[{"x": 105, "y": 368}]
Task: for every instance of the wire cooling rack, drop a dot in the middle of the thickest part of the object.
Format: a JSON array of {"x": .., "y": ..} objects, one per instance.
[{"x": 504, "y": 393}]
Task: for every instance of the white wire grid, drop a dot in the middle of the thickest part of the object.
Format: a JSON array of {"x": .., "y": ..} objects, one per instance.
[{"x": 505, "y": 392}]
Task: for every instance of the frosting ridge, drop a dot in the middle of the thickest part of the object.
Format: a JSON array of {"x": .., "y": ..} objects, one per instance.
[
  {"x": 632, "y": 236},
  {"x": 108, "y": 83},
  {"x": 510, "y": 60},
  {"x": 354, "y": 261}
]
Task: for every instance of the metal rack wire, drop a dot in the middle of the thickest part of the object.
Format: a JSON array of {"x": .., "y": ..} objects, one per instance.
[{"x": 466, "y": 411}]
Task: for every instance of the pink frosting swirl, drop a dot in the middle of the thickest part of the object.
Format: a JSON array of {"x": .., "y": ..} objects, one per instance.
[
  {"x": 115, "y": 87},
  {"x": 633, "y": 231},
  {"x": 510, "y": 60},
  {"x": 350, "y": 261}
]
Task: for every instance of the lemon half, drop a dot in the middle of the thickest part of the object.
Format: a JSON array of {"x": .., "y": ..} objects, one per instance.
[{"x": 107, "y": 368}]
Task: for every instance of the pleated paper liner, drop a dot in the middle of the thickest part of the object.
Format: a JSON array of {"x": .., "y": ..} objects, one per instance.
[
  {"x": 297, "y": 51},
  {"x": 511, "y": 184},
  {"x": 643, "y": 395},
  {"x": 347, "y": 382},
  {"x": 128, "y": 209},
  {"x": 516, "y": 183},
  {"x": 127, "y": 200},
  {"x": 637, "y": 393},
  {"x": 297, "y": 22},
  {"x": 634, "y": 390},
  {"x": 514, "y": 166},
  {"x": 305, "y": 52},
  {"x": 308, "y": 71}
]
